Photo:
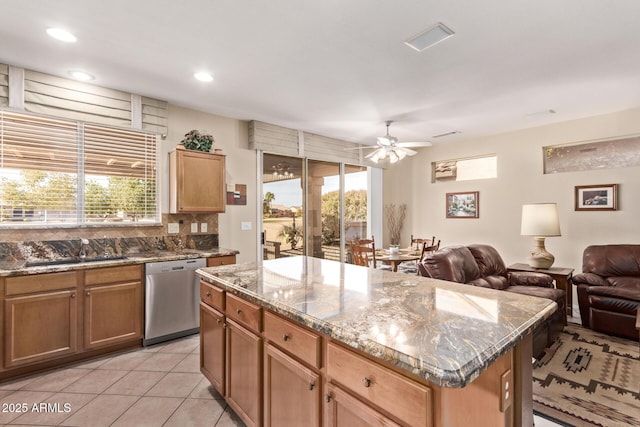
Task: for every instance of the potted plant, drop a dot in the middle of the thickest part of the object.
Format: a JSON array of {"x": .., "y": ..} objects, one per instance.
[
  {"x": 395, "y": 220},
  {"x": 195, "y": 140}
]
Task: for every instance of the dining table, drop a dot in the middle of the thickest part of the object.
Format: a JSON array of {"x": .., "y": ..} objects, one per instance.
[{"x": 394, "y": 259}]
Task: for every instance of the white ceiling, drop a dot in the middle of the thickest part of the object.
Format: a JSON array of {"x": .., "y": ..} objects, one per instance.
[{"x": 340, "y": 68}]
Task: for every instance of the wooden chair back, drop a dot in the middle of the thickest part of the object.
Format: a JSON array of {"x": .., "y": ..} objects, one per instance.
[
  {"x": 363, "y": 252},
  {"x": 426, "y": 249},
  {"x": 417, "y": 243}
]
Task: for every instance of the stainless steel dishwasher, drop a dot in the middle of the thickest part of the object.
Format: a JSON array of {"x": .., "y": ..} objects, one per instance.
[{"x": 171, "y": 300}]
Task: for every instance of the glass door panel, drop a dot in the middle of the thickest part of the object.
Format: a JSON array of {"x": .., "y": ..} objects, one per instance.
[
  {"x": 323, "y": 209},
  {"x": 282, "y": 206},
  {"x": 355, "y": 204}
]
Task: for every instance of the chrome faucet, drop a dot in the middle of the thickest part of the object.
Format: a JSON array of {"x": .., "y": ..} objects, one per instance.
[
  {"x": 106, "y": 247},
  {"x": 83, "y": 252}
]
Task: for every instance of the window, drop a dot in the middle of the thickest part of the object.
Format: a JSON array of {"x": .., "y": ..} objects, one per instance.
[
  {"x": 483, "y": 167},
  {"x": 56, "y": 171}
]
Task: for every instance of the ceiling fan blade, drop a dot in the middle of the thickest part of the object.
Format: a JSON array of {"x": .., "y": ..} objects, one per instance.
[
  {"x": 414, "y": 144},
  {"x": 371, "y": 147},
  {"x": 370, "y": 155},
  {"x": 386, "y": 141},
  {"x": 408, "y": 151}
]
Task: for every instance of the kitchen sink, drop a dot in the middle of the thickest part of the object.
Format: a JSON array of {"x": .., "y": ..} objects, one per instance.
[{"x": 72, "y": 260}]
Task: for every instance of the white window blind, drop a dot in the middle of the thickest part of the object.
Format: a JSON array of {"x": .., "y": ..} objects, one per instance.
[
  {"x": 57, "y": 171},
  {"x": 4, "y": 85}
]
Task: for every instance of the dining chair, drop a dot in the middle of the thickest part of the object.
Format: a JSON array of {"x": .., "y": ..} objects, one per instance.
[
  {"x": 426, "y": 249},
  {"x": 418, "y": 243},
  {"x": 363, "y": 252}
]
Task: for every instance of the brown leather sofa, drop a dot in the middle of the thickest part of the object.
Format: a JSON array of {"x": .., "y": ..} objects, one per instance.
[
  {"x": 482, "y": 265},
  {"x": 609, "y": 289}
]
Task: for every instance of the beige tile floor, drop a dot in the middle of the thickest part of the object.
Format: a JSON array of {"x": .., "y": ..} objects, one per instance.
[{"x": 159, "y": 385}]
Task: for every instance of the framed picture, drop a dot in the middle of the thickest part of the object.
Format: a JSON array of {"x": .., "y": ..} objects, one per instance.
[
  {"x": 596, "y": 197},
  {"x": 463, "y": 205}
]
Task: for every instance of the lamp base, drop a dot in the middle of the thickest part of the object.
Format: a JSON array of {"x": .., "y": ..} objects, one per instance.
[{"x": 539, "y": 257}]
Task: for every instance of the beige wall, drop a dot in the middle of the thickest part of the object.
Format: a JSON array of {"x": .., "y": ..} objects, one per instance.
[
  {"x": 231, "y": 136},
  {"x": 520, "y": 180}
]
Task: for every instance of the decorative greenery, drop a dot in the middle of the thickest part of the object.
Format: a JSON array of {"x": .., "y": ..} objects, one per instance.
[
  {"x": 395, "y": 220},
  {"x": 291, "y": 233},
  {"x": 194, "y": 140}
]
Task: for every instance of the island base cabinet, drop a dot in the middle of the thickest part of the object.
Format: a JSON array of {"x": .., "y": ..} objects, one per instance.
[
  {"x": 212, "y": 345},
  {"x": 39, "y": 327},
  {"x": 344, "y": 410},
  {"x": 244, "y": 374},
  {"x": 291, "y": 391},
  {"x": 112, "y": 314}
]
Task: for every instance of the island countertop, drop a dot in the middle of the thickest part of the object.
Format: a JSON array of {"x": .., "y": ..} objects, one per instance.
[{"x": 444, "y": 332}]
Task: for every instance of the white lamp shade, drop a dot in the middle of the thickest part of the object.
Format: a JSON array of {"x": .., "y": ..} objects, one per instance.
[{"x": 540, "y": 219}]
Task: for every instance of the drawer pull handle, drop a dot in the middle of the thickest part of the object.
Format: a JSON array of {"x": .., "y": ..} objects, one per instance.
[
  {"x": 285, "y": 337},
  {"x": 366, "y": 382},
  {"x": 88, "y": 293},
  {"x": 238, "y": 311},
  {"x": 218, "y": 321},
  {"x": 311, "y": 386},
  {"x": 73, "y": 295},
  {"x": 208, "y": 294},
  {"x": 327, "y": 398}
]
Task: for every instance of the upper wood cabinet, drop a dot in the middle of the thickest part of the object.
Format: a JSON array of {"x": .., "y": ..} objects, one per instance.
[{"x": 196, "y": 182}]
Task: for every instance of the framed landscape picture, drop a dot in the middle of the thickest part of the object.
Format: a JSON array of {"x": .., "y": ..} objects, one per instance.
[
  {"x": 463, "y": 205},
  {"x": 596, "y": 197}
]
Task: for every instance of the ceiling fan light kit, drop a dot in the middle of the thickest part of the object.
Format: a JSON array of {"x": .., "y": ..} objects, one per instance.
[{"x": 389, "y": 147}]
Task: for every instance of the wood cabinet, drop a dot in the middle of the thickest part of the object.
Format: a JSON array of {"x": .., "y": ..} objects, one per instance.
[
  {"x": 40, "y": 318},
  {"x": 196, "y": 182},
  {"x": 343, "y": 410},
  {"x": 221, "y": 260},
  {"x": 291, "y": 391},
  {"x": 212, "y": 346},
  {"x": 244, "y": 373},
  {"x": 113, "y": 306}
]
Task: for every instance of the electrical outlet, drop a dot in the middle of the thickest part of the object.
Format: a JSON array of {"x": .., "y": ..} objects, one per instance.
[
  {"x": 173, "y": 228},
  {"x": 194, "y": 227},
  {"x": 203, "y": 227}
]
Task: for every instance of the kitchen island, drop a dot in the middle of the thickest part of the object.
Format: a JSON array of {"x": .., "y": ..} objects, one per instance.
[{"x": 337, "y": 344}]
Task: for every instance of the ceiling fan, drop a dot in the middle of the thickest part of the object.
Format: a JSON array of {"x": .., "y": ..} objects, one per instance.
[{"x": 389, "y": 147}]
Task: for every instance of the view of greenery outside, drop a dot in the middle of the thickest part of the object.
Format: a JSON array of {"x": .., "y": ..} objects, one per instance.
[{"x": 51, "y": 197}]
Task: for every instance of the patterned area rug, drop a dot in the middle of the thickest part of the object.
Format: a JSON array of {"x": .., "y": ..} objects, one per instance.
[{"x": 587, "y": 378}]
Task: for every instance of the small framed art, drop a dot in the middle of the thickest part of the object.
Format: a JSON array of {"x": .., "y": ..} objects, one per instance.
[
  {"x": 596, "y": 197},
  {"x": 463, "y": 205}
]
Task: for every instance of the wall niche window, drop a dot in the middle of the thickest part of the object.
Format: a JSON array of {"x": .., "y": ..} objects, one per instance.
[
  {"x": 64, "y": 172},
  {"x": 483, "y": 167}
]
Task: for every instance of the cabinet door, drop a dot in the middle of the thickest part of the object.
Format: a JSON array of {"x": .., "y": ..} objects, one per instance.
[
  {"x": 244, "y": 373},
  {"x": 212, "y": 346},
  {"x": 39, "y": 327},
  {"x": 112, "y": 314},
  {"x": 343, "y": 410},
  {"x": 291, "y": 391},
  {"x": 199, "y": 180}
]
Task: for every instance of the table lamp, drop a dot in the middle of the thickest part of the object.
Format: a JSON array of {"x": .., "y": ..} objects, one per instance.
[{"x": 540, "y": 220}]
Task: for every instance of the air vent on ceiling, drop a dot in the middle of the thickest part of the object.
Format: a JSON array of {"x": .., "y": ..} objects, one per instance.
[{"x": 429, "y": 37}]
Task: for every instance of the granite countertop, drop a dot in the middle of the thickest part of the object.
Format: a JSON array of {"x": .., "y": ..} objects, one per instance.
[
  {"x": 444, "y": 332},
  {"x": 20, "y": 268}
]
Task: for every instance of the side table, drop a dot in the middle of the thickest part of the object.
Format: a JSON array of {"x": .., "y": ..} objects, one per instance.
[{"x": 561, "y": 275}]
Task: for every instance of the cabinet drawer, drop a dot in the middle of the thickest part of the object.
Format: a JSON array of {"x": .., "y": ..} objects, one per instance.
[
  {"x": 212, "y": 295},
  {"x": 40, "y": 283},
  {"x": 244, "y": 312},
  {"x": 221, "y": 260},
  {"x": 127, "y": 273},
  {"x": 401, "y": 397},
  {"x": 296, "y": 340}
]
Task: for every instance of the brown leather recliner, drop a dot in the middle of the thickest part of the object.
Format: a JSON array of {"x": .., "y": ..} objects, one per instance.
[
  {"x": 482, "y": 265},
  {"x": 609, "y": 289}
]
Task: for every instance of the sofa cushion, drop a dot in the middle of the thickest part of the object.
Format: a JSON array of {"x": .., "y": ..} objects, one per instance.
[
  {"x": 553, "y": 294},
  {"x": 612, "y": 304},
  {"x": 453, "y": 263},
  {"x": 631, "y": 283},
  {"x": 612, "y": 260},
  {"x": 489, "y": 260},
  {"x": 493, "y": 282},
  {"x": 630, "y": 292}
]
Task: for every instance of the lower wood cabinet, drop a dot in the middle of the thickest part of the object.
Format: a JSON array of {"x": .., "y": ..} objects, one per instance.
[
  {"x": 212, "y": 346},
  {"x": 244, "y": 373},
  {"x": 291, "y": 391},
  {"x": 39, "y": 327},
  {"x": 112, "y": 314},
  {"x": 342, "y": 409}
]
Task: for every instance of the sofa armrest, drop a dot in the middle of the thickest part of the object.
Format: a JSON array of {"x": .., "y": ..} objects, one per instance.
[
  {"x": 525, "y": 278},
  {"x": 589, "y": 279}
]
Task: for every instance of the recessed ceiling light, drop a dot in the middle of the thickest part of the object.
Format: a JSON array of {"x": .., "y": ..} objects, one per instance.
[
  {"x": 429, "y": 37},
  {"x": 203, "y": 76},
  {"x": 81, "y": 75},
  {"x": 62, "y": 35}
]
